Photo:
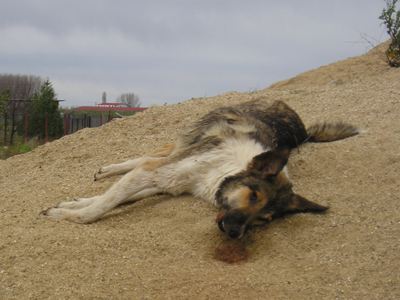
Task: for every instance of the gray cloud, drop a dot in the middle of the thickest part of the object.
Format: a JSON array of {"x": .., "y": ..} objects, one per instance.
[{"x": 168, "y": 51}]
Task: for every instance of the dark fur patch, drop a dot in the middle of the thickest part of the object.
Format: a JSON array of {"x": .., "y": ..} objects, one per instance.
[{"x": 289, "y": 131}]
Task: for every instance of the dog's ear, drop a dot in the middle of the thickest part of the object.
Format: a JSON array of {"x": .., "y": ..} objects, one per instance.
[
  {"x": 298, "y": 203},
  {"x": 269, "y": 163}
]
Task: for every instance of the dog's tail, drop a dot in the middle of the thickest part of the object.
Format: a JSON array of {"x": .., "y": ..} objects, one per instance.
[{"x": 329, "y": 132}]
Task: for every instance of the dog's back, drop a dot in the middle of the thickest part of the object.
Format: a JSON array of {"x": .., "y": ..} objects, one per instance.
[{"x": 273, "y": 126}]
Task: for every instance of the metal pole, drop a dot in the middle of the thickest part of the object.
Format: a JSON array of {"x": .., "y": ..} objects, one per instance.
[
  {"x": 46, "y": 128},
  {"x": 26, "y": 122},
  {"x": 65, "y": 124},
  {"x": 69, "y": 124}
]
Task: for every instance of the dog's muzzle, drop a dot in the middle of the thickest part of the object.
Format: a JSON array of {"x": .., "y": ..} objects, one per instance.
[{"x": 232, "y": 223}]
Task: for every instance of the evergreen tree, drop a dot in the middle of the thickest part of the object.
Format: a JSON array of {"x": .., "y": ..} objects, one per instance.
[{"x": 44, "y": 104}]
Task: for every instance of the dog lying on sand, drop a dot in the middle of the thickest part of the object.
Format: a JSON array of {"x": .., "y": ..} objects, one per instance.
[{"x": 234, "y": 157}]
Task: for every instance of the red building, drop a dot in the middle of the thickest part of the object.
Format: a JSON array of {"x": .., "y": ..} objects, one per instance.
[{"x": 110, "y": 106}]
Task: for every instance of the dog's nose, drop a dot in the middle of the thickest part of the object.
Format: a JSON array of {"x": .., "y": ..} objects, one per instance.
[{"x": 234, "y": 233}]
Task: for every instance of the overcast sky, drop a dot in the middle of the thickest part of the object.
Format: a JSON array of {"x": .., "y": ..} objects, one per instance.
[{"x": 169, "y": 51}]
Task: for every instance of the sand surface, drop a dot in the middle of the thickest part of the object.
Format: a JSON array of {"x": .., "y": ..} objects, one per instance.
[{"x": 163, "y": 247}]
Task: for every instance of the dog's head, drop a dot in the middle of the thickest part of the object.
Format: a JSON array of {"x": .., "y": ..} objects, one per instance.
[{"x": 262, "y": 191}]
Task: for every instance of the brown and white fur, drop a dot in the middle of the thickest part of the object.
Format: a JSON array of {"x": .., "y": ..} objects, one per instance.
[{"x": 233, "y": 157}]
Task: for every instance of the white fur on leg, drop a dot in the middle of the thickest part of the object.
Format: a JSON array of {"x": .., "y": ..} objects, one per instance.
[{"x": 77, "y": 203}]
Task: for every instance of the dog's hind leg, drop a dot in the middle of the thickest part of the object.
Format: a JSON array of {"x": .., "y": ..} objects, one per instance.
[
  {"x": 164, "y": 151},
  {"x": 118, "y": 169}
]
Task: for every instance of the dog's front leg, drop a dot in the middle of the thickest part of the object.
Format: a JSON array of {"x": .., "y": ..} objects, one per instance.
[
  {"x": 135, "y": 185},
  {"x": 262, "y": 220}
]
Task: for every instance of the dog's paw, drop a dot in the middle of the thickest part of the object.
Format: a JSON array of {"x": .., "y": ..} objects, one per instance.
[
  {"x": 72, "y": 215},
  {"x": 98, "y": 174},
  {"x": 102, "y": 173},
  {"x": 53, "y": 213}
]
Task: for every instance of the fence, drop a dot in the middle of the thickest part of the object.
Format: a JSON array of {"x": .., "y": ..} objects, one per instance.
[{"x": 71, "y": 122}]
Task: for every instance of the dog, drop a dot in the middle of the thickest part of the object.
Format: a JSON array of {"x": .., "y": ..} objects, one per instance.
[{"x": 234, "y": 157}]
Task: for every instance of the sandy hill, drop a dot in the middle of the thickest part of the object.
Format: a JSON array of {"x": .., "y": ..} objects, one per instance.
[{"x": 162, "y": 247}]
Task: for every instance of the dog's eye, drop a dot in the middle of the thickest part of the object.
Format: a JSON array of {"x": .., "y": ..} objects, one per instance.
[{"x": 253, "y": 197}]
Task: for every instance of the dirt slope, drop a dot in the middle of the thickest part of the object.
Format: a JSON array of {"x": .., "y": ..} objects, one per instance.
[{"x": 162, "y": 248}]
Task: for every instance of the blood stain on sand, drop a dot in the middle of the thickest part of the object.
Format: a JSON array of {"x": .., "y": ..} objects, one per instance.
[{"x": 231, "y": 252}]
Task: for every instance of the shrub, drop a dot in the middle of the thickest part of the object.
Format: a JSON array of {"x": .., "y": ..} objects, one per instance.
[{"x": 391, "y": 18}]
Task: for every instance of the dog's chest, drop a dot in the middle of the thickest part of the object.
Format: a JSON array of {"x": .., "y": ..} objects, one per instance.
[{"x": 202, "y": 174}]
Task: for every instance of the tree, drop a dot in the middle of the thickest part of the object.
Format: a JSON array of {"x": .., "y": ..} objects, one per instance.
[
  {"x": 131, "y": 99},
  {"x": 20, "y": 87},
  {"x": 45, "y": 107},
  {"x": 19, "y": 90},
  {"x": 391, "y": 19}
]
